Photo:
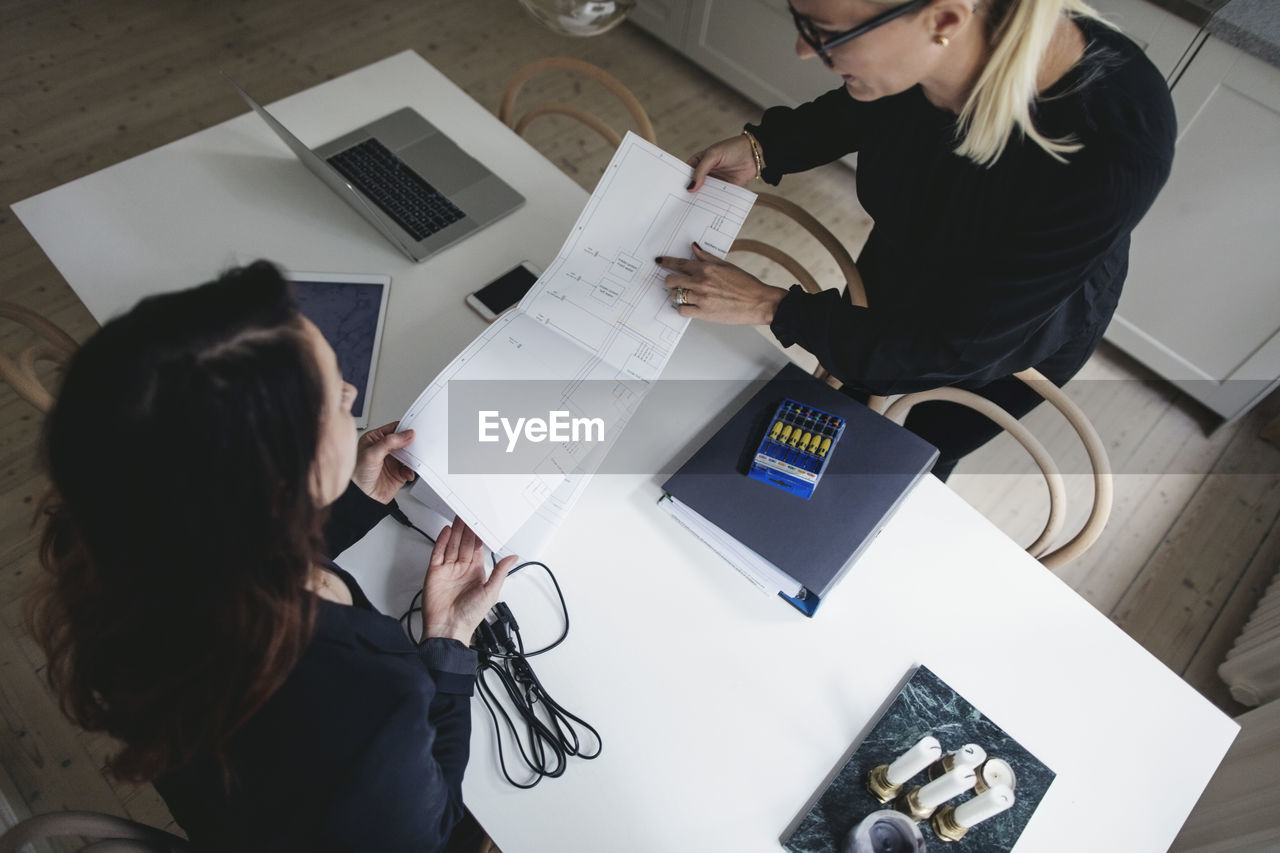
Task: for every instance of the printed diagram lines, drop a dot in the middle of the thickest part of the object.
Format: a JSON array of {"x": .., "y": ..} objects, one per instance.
[
  {"x": 592, "y": 333},
  {"x": 609, "y": 297}
]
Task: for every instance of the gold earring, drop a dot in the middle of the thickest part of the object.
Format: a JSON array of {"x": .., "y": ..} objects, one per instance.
[{"x": 941, "y": 40}]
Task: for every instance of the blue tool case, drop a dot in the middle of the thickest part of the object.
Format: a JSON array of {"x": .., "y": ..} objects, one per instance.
[{"x": 796, "y": 448}]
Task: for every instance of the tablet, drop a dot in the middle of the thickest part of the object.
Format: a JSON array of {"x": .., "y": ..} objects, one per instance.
[{"x": 349, "y": 309}]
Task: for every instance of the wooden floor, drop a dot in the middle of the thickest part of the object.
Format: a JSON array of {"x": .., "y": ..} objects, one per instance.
[{"x": 1194, "y": 534}]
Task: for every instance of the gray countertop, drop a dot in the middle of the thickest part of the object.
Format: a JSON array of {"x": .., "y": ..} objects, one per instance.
[{"x": 1251, "y": 25}]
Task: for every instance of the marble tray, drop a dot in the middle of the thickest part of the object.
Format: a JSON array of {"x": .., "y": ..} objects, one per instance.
[{"x": 925, "y": 705}]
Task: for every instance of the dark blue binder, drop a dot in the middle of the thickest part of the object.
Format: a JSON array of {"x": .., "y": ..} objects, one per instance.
[{"x": 813, "y": 541}]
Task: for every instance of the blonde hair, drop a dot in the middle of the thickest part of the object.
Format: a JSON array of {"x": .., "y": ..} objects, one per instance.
[{"x": 1019, "y": 33}]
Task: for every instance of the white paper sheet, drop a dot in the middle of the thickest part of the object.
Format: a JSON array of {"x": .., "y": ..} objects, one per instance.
[{"x": 599, "y": 312}]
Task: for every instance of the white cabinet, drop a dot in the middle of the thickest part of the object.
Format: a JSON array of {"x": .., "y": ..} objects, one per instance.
[
  {"x": 663, "y": 18},
  {"x": 749, "y": 44},
  {"x": 1201, "y": 306},
  {"x": 1167, "y": 40}
]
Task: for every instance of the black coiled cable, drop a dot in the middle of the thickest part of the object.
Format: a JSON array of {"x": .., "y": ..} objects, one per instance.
[{"x": 550, "y": 737}]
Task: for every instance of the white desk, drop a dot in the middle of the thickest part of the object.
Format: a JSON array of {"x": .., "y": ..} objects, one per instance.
[
  {"x": 722, "y": 710},
  {"x": 176, "y": 216}
]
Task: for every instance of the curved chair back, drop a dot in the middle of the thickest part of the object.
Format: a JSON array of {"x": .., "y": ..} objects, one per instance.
[
  {"x": 573, "y": 66},
  {"x": 794, "y": 212},
  {"x": 853, "y": 285},
  {"x": 116, "y": 833},
  {"x": 1094, "y": 447},
  {"x": 55, "y": 346}
]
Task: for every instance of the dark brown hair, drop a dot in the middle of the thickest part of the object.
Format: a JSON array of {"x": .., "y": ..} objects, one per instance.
[{"x": 180, "y": 526}]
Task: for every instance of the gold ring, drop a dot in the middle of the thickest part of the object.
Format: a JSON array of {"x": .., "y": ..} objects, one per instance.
[{"x": 681, "y": 294}]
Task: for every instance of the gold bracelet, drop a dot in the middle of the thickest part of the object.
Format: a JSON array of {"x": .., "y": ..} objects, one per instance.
[{"x": 755, "y": 152}]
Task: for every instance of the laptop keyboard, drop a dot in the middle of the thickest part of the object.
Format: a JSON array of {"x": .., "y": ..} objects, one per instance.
[{"x": 414, "y": 205}]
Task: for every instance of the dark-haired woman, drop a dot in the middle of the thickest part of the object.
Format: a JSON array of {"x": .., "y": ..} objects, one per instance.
[
  {"x": 1006, "y": 150},
  {"x": 198, "y": 446}
]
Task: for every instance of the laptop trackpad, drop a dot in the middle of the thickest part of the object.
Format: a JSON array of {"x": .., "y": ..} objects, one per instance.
[{"x": 446, "y": 166}]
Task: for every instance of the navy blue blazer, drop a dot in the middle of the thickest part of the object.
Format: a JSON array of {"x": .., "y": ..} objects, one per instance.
[{"x": 362, "y": 748}]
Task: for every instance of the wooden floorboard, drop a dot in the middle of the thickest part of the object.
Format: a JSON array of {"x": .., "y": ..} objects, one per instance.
[
  {"x": 1182, "y": 588},
  {"x": 50, "y": 767},
  {"x": 1202, "y": 669},
  {"x": 85, "y": 84},
  {"x": 1148, "y": 506}
]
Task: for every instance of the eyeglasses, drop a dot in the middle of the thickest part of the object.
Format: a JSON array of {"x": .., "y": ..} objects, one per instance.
[{"x": 823, "y": 41}]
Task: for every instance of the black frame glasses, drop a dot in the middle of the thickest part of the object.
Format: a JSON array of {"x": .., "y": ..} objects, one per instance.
[{"x": 811, "y": 33}]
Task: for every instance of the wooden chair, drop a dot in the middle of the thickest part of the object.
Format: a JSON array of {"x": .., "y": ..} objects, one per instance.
[
  {"x": 573, "y": 66},
  {"x": 55, "y": 346},
  {"x": 116, "y": 833},
  {"x": 1096, "y": 450},
  {"x": 852, "y": 284},
  {"x": 852, "y": 278}
]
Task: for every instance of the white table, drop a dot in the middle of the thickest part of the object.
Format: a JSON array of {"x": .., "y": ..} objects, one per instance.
[
  {"x": 178, "y": 215},
  {"x": 722, "y": 710}
]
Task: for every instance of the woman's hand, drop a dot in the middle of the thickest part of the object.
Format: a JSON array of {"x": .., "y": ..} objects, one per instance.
[
  {"x": 729, "y": 160},
  {"x": 718, "y": 291},
  {"x": 455, "y": 594},
  {"x": 378, "y": 474}
]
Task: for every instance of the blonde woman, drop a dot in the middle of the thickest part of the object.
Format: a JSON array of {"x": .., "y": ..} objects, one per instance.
[{"x": 1006, "y": 150}]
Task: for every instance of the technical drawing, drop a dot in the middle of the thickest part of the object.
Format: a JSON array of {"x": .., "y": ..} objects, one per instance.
[{"x": 598, "y": 322}]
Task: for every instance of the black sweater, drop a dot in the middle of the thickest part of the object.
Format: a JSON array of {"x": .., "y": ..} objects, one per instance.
[
  {"x": 973, "y": 273},
  {"x": 363, "y": 747}
]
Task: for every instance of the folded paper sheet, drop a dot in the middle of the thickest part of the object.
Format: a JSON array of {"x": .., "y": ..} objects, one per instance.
[{"x": 597, "y": 326}]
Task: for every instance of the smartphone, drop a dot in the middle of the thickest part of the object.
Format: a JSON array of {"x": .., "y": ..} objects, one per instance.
[{"x": 504, "y": 291}]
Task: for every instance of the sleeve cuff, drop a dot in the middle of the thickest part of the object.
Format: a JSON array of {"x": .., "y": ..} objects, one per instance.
[
  {"x": 452, "y": 664},
  {"x": 358, "y": 508},
  {"x": 789, "y": 316}
]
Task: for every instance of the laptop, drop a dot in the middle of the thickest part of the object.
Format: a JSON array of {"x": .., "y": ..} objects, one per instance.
[{"x": 406, "y": 178}]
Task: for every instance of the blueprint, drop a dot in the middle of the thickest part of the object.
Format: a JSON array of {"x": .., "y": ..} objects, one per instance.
[
  {"x": 603, "y": 291},
  {"x": 593, "y": 332}
]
